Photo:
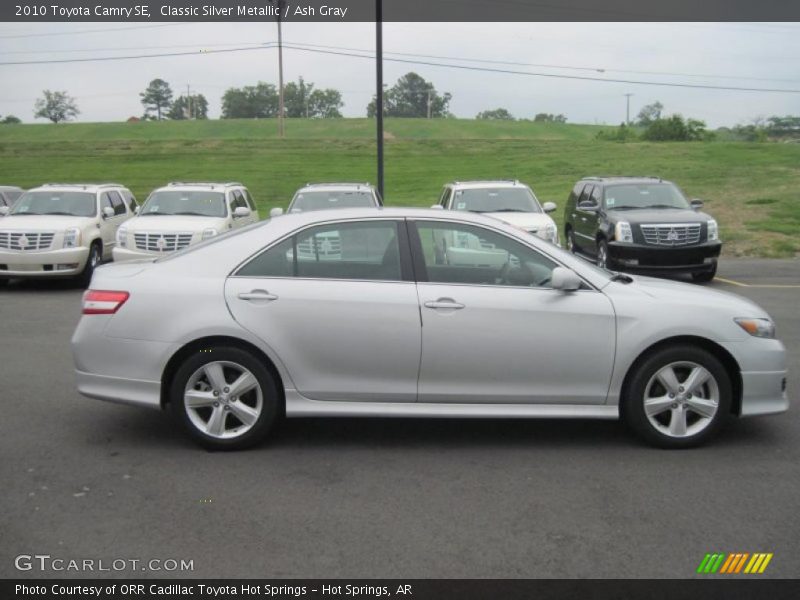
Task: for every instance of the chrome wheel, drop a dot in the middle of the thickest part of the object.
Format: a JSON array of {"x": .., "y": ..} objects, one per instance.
[
  {"x": 223, "y": 399},
  {"x": 94, "y": 258},
  {"x": 570, "y": 243},
  {"x": 681, "y": 399},
  {"x": 602, "y": 255}
]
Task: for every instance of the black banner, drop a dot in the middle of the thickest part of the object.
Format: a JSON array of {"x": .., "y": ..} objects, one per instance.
[
  {"x": 398, "y": 10},
  {"x": 734, "y": 588}
]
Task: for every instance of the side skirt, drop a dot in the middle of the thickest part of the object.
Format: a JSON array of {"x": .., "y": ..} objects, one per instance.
[{"x": 300, "y": 406}]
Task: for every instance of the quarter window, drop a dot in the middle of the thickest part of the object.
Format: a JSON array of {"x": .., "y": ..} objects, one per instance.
[
  {"x": 358, "y": 251},
  {"x": 116, "y": 203},
  {"x": 465, "y": 254}
]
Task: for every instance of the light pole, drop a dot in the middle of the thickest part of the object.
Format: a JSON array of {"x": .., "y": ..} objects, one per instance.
[
  {"x": 379, "y": 88},
  {"x": 628, "y": 109},
  {"x": 280, "y": 71}
]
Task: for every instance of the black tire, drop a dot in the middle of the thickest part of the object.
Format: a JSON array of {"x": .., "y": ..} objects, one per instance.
[
  {"x": 601, "y": 257},
  {"x": 570, "y": 240},
  {"x": 636, "y": 392},
  {"x": 705, "y": 276},
  {"x": 270, "y": 401},
  {"x": 95, "y": 258},
  {"x": 3, "y": 282}
]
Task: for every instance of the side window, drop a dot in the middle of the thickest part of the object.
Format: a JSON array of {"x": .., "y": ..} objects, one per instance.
[
  {"x": 445, "y": 197},
  {"x": 465, "y": 254},
  {"x": 105, "y": 201},
  {"x": 360, "y": 251},
  {"x": 231, "y": 202},
  {"x": 587, "y": 190},
  {"x": 596, "y": 195},
  {"x": 249, "y": 199},
  {"x": 3, "y": 201},
  {"x": 130, "y": 199},
  {"x": 117, "y": 203}
]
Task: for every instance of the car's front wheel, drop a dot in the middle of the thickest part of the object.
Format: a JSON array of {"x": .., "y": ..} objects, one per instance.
[
  {"x": 94, "y": 259},
  {"x": 602, "y": 254},
  {"x": 678, "y": 397},
  {"x": 224, "y": 398},
  {"x": 570, "y": 241}
]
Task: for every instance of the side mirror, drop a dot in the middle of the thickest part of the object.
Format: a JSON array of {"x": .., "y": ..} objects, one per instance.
[
  {"x": 549, "y": 207},
  {"x": 696, "y": 203},
  {"x": 108, "y": 212},
  {"x": 136, "y": 210},
  {"x": 275, "y": 212},
  {"x": 241, "y": 211},
  {"x": 565, "y": 280},
  {"x": 437, "y": 207},
  {"x": 3, "y": 211},
  {"x": 588, "y": 206}
]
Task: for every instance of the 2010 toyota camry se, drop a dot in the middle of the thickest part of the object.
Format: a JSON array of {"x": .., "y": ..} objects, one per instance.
[{"x": 417, "y": 313}]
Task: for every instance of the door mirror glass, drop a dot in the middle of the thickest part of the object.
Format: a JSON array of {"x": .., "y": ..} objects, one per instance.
[
  {"x": 108, "y": 212},
  {"x": 696, "y": 203},
  {"x": 549, "y": 207},
  {"x": 241, "y": 211},
  {"x": 565, "y": 279}
]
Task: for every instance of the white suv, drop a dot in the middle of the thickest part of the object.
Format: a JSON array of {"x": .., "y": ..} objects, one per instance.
[
  {"x": 181, "y": 214},
  {"x": 322, "y": 196},
  {"x": 62, "y": 230},
  {"x": 510, "y": 201}
]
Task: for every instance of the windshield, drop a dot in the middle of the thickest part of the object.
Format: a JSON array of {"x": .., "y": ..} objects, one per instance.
[
  {"x": 644, "y": 195},
  {"x": 74, "y": 204},
  {"x": 306, "y": 201},
  {"x": 176, "y": 202},
  {"x": 516, "y": 199}
]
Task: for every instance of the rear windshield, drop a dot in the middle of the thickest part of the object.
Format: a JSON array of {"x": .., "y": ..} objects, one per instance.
[
  {"x": 517, "y": 199},
  {"x": 75, "y": 204},
  {"x": 645, "y": 195},
  {"x": 176, "y": 202},
  {"x": 307, "y": 201}
]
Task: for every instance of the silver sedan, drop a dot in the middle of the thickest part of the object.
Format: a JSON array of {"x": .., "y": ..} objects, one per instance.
[{"x": 417, "y": 313}]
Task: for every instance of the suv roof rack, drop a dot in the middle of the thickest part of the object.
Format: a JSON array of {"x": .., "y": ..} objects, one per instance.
[
  {"x": 321, "y": 183},
  {"x": 82, "y": 185},
  {"x": 211, "y": 183},
  {"x": 601, "y": 177},
  {"x": 514, "y": 181}
]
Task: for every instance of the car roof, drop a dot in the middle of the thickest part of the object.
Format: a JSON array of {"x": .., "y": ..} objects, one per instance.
[
  {"x": 199, "y": 185},
  {"x": 10, "y": 188},
  {"x": 301, "y": 219},
  {"x": 625, "y": 179},
  {"x": 336, "y": 186},
  {"x": 478, "y": 184},
  {"x": 72, "y": 187}
]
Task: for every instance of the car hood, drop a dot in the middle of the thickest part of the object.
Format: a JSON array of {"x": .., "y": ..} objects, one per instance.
[
  {"x": 174, "y": 223},
  {"x": 42, "y": 222},
  {"x": 524, "y": 220},
  {"x": 641, "y": 216},
  {"x": 676, "y": 293}
]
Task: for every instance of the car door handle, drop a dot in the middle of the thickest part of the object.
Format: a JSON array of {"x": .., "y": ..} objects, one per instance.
[
  {"x": 444, "y": 303},
  {"x": 258, "y": 295}
]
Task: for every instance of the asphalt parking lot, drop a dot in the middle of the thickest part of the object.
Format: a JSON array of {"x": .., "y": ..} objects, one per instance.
[{"x": 383, "y": 498}]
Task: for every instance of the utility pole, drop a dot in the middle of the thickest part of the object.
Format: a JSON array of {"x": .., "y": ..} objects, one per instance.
[
  {"x": 429, "y": 103},
  {"x": 188, "y": 102},
  {"x": 628, "y": 109},
  {"x": 379, "y": 88},
  {"x": 280, "y": 70}
]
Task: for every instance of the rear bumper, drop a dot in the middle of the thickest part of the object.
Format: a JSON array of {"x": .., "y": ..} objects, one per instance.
[
  {"x": 639, "y": 257},
  {"x": 66, "y": 262},
  {"x": 119, "y": 389}
]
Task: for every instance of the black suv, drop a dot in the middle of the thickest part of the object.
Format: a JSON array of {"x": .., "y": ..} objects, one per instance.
[{"x": 641, "y": 224}]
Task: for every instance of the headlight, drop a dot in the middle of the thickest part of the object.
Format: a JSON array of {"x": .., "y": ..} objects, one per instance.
[
  {"x": 763, "y": 328},
  {"x": 72, "y": 237},
  {"x": 122, "y": 237},
  {"x": 551, "y": 233},
  {"x": 623, "y": 233},
  {"x": 209, "y": 233},
  {"x": 713, "y": 230}
]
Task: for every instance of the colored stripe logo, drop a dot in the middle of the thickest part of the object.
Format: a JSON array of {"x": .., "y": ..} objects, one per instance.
[{"x": 734, "y": 563}]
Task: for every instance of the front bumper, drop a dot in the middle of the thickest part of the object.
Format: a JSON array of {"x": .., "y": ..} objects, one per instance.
[
  {"x": 764, "y": 376},
  {"x": 641, "y": 257},
  {"x": 123, "y": 254},
  {"x": 66, "y": 262}
]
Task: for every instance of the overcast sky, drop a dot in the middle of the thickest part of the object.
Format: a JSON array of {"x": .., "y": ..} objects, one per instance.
[{"x": 757, "y": 55}]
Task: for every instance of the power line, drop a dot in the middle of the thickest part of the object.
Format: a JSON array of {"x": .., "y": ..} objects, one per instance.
[
  {"x": 550, "y": 75},
  {"x": 138, "y": 56},
  {"x": 128, "y": 48},
  {"x": 30, "y": 35}
]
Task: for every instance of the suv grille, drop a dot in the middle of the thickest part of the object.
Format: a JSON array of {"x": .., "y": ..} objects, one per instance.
[
  {"x": 26, "y": 240},
  {"x": 681, "y": 234},
  {"x": 322, "y": 246},
  {"x": 162, "y": 242}
]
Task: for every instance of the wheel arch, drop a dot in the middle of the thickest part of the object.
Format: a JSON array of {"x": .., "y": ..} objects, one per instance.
[
  {"x": 175, "y": 361},
  {"x": 728, "y": 361}
]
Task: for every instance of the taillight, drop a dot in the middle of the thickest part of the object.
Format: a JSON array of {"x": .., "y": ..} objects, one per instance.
[{"x": 100, "y": 302}]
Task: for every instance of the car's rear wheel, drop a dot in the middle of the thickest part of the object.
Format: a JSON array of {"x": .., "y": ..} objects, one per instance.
[
  {"x": 705, "y": 276},
  {"x": 570, "y": 241},
  {"x": 224, "y": 398},
  {"x": 678, "y": 397},
  {"x": 94, "y": 259}
]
